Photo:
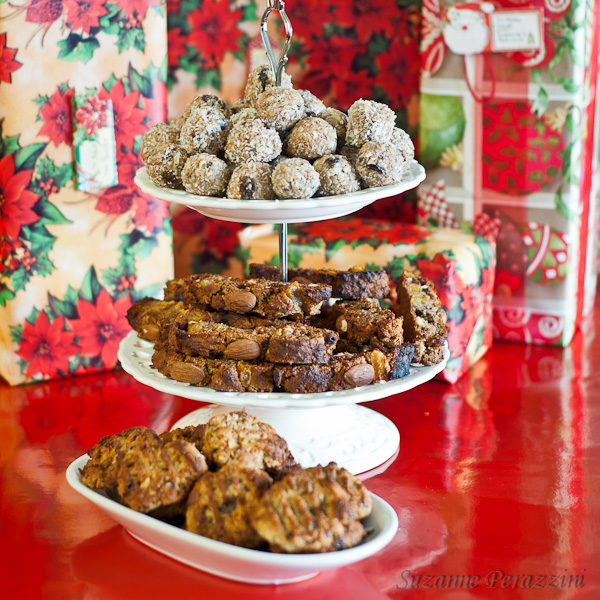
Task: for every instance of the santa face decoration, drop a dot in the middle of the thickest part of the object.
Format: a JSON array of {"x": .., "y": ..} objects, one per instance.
[{"x": 466, "y": 30}]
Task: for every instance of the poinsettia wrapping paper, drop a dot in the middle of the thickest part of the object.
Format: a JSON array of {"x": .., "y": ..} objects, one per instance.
[
  {"x": 461, "y": 266},
  {"x": 342, "y": 50},
  {"x": 512, "y": 136},
  {"x": 73, "y": 262}
]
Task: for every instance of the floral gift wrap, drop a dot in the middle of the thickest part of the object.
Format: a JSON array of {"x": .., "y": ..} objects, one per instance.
[
  {"x": 80, "y": 83},
  {"x": 508, "y": 122},
  {"x": 461, "y": 266}
]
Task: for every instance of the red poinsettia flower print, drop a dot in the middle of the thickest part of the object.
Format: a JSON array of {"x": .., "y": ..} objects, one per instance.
[
  {"x": 7, "y": 63},
  {"x": 101, "y": 327},
  {"x": 214, "y": 31},
  {"x": 405, "y": 233},
  {"x": 131, "y": 8},
  {"x": 367, "y": 18},
  {"x": 308, "y": 18},
  {"x": 16, "y": 201},
  {"x": 177, "y": 47},
  {"x": 56, "y": 115},
  {"x": 399, "y": 71},
  {"x": 93, "y": 115},
  {"x": 350, "y": 230},
  {"x": 128, "y": 117},
  {"x": 84, "y": 14},
  {"x": 115, "y": 200},
  {"x": 46, "y": 346},
  {"x": 345, "y": 91},
  {"x": 148, "y": 212},
  {"x": 221, "y": 236}
]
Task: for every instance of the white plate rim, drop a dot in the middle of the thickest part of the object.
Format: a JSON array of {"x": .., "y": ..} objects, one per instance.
[{"x": 135, "y": 355}]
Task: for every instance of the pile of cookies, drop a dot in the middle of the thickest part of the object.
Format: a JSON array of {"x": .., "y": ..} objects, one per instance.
[
  {"x": 324, "y": 330},
  {"x": 232, "y": 479},
  {"x": 276, "y": 142}
]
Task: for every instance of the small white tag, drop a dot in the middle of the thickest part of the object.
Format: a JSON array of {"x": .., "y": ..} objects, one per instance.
[{"x": 516, "y": 30}]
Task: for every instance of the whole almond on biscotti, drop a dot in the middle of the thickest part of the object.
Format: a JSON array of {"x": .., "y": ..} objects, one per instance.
[
  {"x": 240, "y": 301},
  {"x": 360, "y": 375},
  {"x": 187, "y": 372},
  {"x": 242, "y": 350}
]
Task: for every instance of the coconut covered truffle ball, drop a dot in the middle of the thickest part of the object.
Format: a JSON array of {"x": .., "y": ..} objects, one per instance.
[
  {"x": 254, "y": 140},
  {"x": 205, "y": 130},
  {"x": 295, "y": 178},
  {"x": 280, "y": 107},
  {"x": 165, "y": 164},
  {"x": 205, "y": 175},
  {"x": 312, "y": 105},
  {"x": 205, "y": 100},
  {"x": 242, "y": 116},
  {"x": 402, "y": 141},
  {"x": 251, "y": 181},
  {"x": 260, "y": 79},
  {"x": 158, "y": 135},
  {"x": 369, "y": 121},
  {"x": 311, "y": 138},
  {"x": 178, "y": 121},
  {"x": 380, "y": 163},
  {"x": 337, "y": 176},
  {"x": 339, "y": 121}
]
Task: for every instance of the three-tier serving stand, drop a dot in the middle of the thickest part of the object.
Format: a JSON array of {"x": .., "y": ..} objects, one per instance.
[{"x": 321, "y": 427}]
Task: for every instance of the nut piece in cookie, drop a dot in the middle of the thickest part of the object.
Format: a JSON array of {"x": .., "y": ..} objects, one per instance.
[
  {"x": 313, "y": 510},
  {"x": 241, "y": 438},
  {"x": 218, "y": 505}
]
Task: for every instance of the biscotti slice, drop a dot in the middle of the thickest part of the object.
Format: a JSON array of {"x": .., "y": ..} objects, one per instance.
[
  {"x": 353, "y": 284},
  {"x": 362, "y": 323},
  {"x": 269, "y": 299},
  {"x": 344, "y": 371},
  {"x": 151, "y": 318},
  {"x": 424, "y": 317},
  {"x": 290, "y": 343}
]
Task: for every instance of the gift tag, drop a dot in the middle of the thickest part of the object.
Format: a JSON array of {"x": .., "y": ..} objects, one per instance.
[
  {"x": 516, "y": 30},
  {"x": 94, "y": 143}
]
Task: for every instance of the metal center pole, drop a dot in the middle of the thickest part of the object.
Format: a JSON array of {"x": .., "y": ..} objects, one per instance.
[{"x": 283, "y": 255}]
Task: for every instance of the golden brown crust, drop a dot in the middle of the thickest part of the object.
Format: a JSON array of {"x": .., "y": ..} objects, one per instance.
[
  {"x": 312, "y": 510},
  {"x": 193, "y": 434},
  {"x": 218, "y": 505}
]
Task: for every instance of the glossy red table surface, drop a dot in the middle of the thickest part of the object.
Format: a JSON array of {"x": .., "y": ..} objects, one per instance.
[{"x": 497, "y": 482}]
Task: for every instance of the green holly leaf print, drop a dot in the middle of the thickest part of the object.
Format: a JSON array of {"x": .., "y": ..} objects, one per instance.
[
  {"x": 90, "y": 288},
  {"x": 76, "y": 48},
  {"x": 26, "y": 157}
]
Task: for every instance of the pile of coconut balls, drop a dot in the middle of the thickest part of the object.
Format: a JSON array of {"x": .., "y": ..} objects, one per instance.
[{"x": 276, "y": 142}]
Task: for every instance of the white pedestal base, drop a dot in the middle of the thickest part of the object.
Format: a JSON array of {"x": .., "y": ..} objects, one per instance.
[{"x": 356, "y": 438}]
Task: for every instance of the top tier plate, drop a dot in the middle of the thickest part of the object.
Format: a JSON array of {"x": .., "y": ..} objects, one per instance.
[{"x": 281, "y": 211}]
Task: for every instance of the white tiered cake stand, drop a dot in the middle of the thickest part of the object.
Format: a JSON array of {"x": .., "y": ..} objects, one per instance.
[{"x": 321, "y": 427}]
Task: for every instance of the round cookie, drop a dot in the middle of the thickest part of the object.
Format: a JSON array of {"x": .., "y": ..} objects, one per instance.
[
  {"x": 312, "y": 105},
  {"x": 311, "y": 138},
  {"x": 253, "y": 139},
  {"x": 205, "y": 130},
  {"x": 158, "y": 135},
  {"x": 260, "y": 79},
  {"x": 295, "y": 178},
  {"x": 205, "y": 100},
  {"x": 243, "y": 115},
  {"x": 205, "y": 175},
  {"x": 337, "y": 176},
  {"x": 165, "y": 164},
  {"x": 339, "y": 121},
  {"x": 402, "y": 141},
  {"x": 380, "y": 163},
  {"x": 369, "y": 121},
  {"x": 280, "y": 107},
  {"x": 251, "y": 181}
]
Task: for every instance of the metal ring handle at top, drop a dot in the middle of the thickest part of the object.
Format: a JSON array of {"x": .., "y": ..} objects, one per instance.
[{"x": 276, "y": 65}]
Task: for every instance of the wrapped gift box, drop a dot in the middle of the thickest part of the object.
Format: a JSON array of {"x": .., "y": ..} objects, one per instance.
[
  {"x": 80, "y": 83},
  {"x": 461, "y": 266},
  {"x": 509, "y": 123}
]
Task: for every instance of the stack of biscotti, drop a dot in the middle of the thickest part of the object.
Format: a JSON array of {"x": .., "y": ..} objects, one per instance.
[{"x": 264, "y": 335}]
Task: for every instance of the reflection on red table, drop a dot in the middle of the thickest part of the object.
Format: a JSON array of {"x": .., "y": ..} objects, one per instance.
[{"x": 496, "y": 486}]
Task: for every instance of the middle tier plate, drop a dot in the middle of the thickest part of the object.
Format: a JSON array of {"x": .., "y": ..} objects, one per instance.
[{"x": 302, "y": 210}]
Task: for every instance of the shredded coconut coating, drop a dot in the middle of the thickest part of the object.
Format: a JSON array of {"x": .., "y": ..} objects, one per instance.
[
  {"x": 205, "y": 175},
  {"x": 243, "y": 115},
  {"x": 380, "y": 163},
  {"x": 337, "y": 176},
  {"x": 311, "y": 138},
  {"x": 165, "y": 164},
  {"x": 295, "y": 178},
  {"x": 254, "y": 140},
  {"x": 178, "y": 121},
  {"x": 402, "y": 141},
  {"x": 239, "y": 105},
  {"x": 158, "y": 135},
  {"x": 280, "y": 107},
  {"x": 260, "y": 79},
  {"x": 339, "y": 121},
  {"x": 369, "y": 121},
  {"x": 251, "y": 181},
  {"x": 278, "y": 160},
  {"x": 205, "y": 130},
  {"x": 205, "y": 100},
  {"x": 312, "y": 105}
]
